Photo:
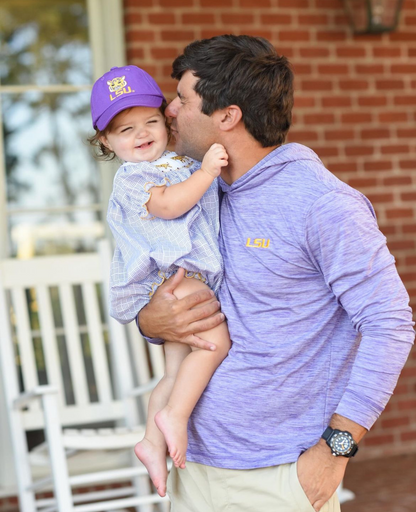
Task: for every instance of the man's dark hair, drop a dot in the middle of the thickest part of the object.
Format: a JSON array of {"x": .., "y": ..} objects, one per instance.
[{"x": 244, "y": 71}]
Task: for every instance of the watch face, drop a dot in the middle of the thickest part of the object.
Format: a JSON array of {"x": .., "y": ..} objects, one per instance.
[{"x": 341, "y": 443}]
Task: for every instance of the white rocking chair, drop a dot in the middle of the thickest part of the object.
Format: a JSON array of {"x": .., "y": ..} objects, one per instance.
[{"x": 67, "y": 367}]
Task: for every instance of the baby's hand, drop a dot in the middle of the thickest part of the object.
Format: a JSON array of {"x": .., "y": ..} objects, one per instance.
[{"x": 215, "y": 158}]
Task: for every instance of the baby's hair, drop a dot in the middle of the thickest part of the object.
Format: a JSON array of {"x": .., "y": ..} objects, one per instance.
[{"x": 102, "y": 151}]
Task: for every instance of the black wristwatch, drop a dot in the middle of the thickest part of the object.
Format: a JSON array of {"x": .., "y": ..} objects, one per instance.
[{"x": 340, "y": 442}]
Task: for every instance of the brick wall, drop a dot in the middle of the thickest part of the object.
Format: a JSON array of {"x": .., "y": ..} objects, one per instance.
[{"x": 355, "y": 106}]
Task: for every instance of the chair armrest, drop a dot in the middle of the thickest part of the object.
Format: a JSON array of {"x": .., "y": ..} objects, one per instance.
[
  {"x": 145, "y": 388},
  {"x": 35, "y": 393}
]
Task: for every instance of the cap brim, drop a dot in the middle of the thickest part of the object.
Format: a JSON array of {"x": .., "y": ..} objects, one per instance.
[{"x": 129, "y": 101}]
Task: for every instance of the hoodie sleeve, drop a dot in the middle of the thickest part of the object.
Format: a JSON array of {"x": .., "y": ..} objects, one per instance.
[{"x": 345, "y": 243}]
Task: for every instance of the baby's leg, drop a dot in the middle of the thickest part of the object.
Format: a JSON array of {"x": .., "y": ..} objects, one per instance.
[
  {"x": 151, "y": 451},
  {"x": 194, "y": 374}
]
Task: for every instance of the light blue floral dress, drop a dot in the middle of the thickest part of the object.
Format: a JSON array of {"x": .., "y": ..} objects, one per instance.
[{"x": 149, "y": 249}]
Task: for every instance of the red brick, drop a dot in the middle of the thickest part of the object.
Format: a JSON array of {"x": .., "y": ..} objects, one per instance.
[
  {"x": 380, "y": 198},
  {"x": 178, "y": 35},
  {"x": 304, "y": 101},
  {"x": 319, "y": 118},
  {"x": 133, "y": 19},
  {"x": 386, "y": 51},
  {"x": 237, "y": 19},
  {"x": 405, "y": 100},
  {"x": 216, "y": 3},
  {"x": 372, "y": 101},
  {"x": 316, "y": 85},
  {"x": 405, "y": 405},
  {"x": 406, "y": 132},
  {"x": 400, "y": 213},
  {"x": 325, "y": 151},
  {"x": 369, "y": 69},
  {"x": 339, "y": 135},
  {"x": 302, "y": 69},
  {"x": 162, "y": 18},
  {"x": 408, "y": 436},
  {"x": 331, "y": 36},
  {"x": 381, "y": 165},
  {"x": 399, "y": 245},
  {"x": 361, "y": 183},
  {"x": 328, "y": 4},
  {"x": 409, "y": 228},
  {"x": 403, "y": 68},
  {"x": 314, "y": 52},
  {"x": 313, "y": 19},
  {"x": 393, "y": 117},
  {"x": 375, "y": 133},
  {"x": 388, "y": 85},
  {"x": 293, "y": 4},
  {"x": 408, "y": 164},
  {"x": 353, "y": 85},
  {"x": 359, "y": 150},
  {"x": 333, "y": 69},
  {"x": 402, "y": 36},
  {"x": 354, "y": 52},
  {"x": 393, "y": 149},
  {"x": 133, "y": 3},
  {"x": 395, "y": 422},
  {"x": 204, "y": 18},
  {"x": 302, "y": 135},
  {"x": 294, "y": 35},
  {"x": 176, "y": 3},
  {"x": 343, "y": 167},
  {"x": 164, "y": 53},
  {"x": 140, "y": 35},
  {"x": 275, "y": 19},
  {"x": 336, "y": 101},
  {"x": 135, "y": 54},
  {"x": 356, "y": 117},
  {"x": 256, "y": 4},
  {"x": 409, "y": 20},
  {"x": 373, "y": 440},
  {"x": 397, "y": 180}
]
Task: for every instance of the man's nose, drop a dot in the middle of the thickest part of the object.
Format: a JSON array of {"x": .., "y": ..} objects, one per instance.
[{"x": 172, "y": 108}]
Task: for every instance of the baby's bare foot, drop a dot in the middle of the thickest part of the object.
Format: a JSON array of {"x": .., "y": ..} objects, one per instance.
[
  {"x": 153, "y": 457},
  {"x": 174, "y": 429}
]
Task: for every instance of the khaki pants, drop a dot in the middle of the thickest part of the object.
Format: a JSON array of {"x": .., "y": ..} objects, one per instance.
[{"x": 200, "y": 488}]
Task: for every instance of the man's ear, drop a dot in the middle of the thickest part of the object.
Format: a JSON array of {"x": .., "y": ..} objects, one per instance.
[
  {"x": 230, "y": 117},
  {"x": 103, "y": 139}
]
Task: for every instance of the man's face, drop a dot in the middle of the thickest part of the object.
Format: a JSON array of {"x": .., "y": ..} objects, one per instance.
[{"x": 194, "y": 132}]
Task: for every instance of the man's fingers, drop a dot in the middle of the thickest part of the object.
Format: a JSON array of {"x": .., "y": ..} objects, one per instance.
[
  {"x": 195, "y": 341},
  {"x": 196, "y": 298},
  {"x": 172, "y": 283},
  {"x": 207, "y": 323}
]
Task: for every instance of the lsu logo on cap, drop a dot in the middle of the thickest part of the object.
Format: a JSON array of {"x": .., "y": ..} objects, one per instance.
[{"x": 118, "y": 86}]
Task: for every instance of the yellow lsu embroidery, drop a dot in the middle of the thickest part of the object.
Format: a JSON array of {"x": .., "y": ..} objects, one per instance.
[
  {"x": 118, "y": 86},
  {"x": 260, "y": 243}
]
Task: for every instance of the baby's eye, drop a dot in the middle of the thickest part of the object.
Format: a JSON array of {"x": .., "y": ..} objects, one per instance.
[
  {"x": 152, "y": 121},
  {"x": 126, "y": 129}
]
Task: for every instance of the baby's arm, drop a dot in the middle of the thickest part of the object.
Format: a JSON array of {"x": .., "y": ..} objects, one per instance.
[{"x": 172, "y": 202}]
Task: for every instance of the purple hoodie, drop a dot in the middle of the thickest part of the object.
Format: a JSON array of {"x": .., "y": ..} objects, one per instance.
[{"x": 318, "y": 316}]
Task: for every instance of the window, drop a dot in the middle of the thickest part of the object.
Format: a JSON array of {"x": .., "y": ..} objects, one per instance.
[{"x": 52, "y": 190}]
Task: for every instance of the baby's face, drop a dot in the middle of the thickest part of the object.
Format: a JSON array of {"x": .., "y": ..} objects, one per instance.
[{"x": 138, "y": 135}]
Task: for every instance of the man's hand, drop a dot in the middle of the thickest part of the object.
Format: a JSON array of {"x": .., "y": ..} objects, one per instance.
[
  {"x": 320, "y": 473},
  {"x": 175, "y": 319}
]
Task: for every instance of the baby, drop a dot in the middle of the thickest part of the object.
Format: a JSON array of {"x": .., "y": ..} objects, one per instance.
[{"x": 163, "y": 213}]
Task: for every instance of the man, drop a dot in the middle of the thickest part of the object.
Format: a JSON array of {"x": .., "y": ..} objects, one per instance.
[{"x": 317, "y": 314}]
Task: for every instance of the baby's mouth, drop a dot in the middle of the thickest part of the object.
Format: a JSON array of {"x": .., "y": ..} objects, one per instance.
[{"x": 145, "y": 145}]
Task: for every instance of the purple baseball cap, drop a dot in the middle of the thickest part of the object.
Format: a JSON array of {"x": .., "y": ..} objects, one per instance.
[{"x": 122, "y": 88}]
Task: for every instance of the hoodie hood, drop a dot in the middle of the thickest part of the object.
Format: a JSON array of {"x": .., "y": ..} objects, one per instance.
[{"x": 273, "y": 163}]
